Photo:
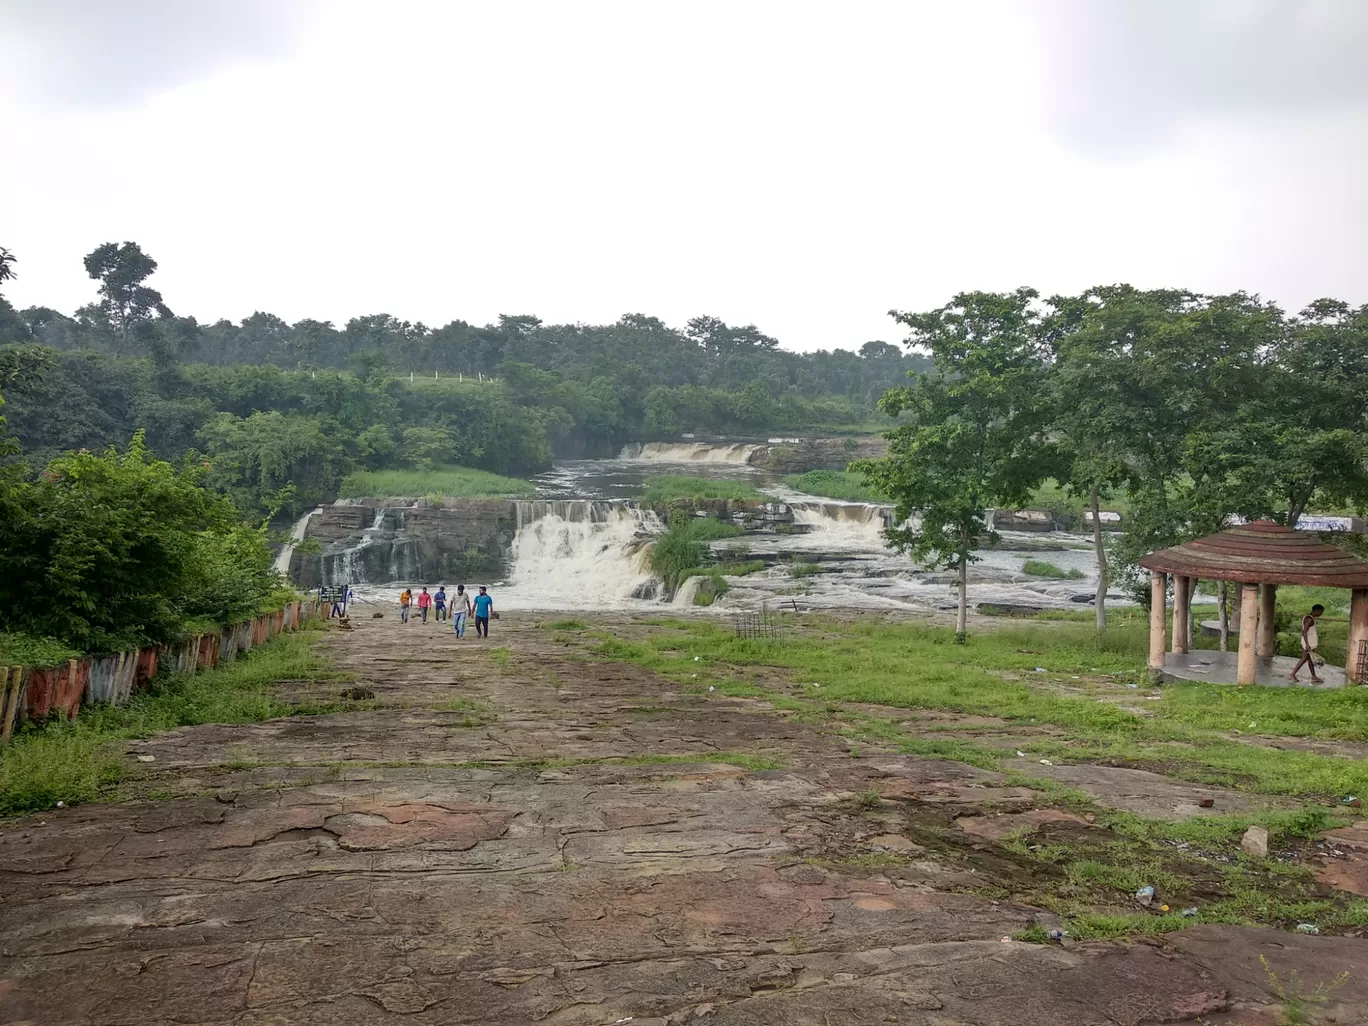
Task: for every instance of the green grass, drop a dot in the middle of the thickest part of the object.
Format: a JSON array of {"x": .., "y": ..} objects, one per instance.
[
  {"x": 1052, "y": 497},
  {"x": 27, "y": 650},
  {"x": 453, "y": 482},
  {"x": 566, "y": 625},
  {"x": 801, "y": 570},
  {"x": 1187, "y": 734},
  {"x": 836, "y": 484},
  {"x": 1040, "y": 568},
  {"x": 665, "y": 487},
  {"x": 683, "y": 548},
  {"x": 78, "y": 761}
]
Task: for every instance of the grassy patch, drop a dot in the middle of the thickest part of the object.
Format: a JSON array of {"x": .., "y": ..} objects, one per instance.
[
  {"x": 682, "y": 486},
  {"x": 76, "y": 761},
  {"x": 455, "y": 482},
  {"x": 836, "y": 484},
  {"x": 996, "y": 674},
  {"x": 27, "y": 650},
  {"x": 1040, "y": 568},
  {"x": 801, "y": 570},
  {"x": 567, "y": 625},
  {"x": 684, "y": 547}
]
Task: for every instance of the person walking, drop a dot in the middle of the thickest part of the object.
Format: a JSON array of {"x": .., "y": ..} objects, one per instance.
[
  {"x": 484, "y": 605},
  {"x": 405, "y": 600},
  {"x": 439, "y": 610},
  {"x": 460, "y": 609},
  {"x": 1310, "y": 641},
  {"x": 424, "y": 604}
]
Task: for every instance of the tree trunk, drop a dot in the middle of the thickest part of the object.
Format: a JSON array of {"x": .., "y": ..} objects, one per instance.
[
  {"x": 1221, "y": 590},
  {"x": 1101, "y": 563},
  {"x": 962, "y": 620}
]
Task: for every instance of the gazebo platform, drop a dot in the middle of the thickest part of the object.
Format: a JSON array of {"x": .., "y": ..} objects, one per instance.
[{"x": 1220, "y": 668}]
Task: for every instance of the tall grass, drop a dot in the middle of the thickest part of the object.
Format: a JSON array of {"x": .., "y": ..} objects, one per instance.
[
  {"x": 1040, "y": 568},
  {"x": 684, "y": 547},
  {"x": 79, "y": 760},
  {"x": 453, "y": 482},
  {"x": 682, "y": 486},
  {"x": 836, "y": 484}
]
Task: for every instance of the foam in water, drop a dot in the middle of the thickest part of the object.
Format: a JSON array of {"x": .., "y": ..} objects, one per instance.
[
  {"x": 839, "y": 526},
  {"x": 583, "y": 554},
  {"x": 347, "y": 567},
  {"x": 690, "y": 452},
  {"x": 282, "y": 561}
]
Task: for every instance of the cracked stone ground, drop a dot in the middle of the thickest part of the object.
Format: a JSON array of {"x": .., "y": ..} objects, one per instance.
[{"x": 483, "y": 861}]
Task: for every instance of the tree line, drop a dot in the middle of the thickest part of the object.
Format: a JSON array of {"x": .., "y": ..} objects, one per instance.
[
  {"x": 281, "y": 411},
  {"x": 1196, "y": 407}
]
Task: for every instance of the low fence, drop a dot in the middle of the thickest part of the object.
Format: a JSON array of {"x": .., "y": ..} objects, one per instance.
[{"x": 32, "y": 693}]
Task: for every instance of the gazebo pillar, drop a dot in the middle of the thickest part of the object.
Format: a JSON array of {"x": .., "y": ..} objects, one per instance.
[
  {"x": 1358, "y": 633},
  {"x": 1268, "y": 625},
  {"x": 1180, "y": 613},
  {"x": 1158, "y": 619},
  {"x": 1246, "y": 665}
]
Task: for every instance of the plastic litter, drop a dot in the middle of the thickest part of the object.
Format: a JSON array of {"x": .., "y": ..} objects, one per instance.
[
  {"x": 1145, "y": 895},
  {"x": 1252, "y": 725},
  {"x": 696, "y": 658},
  {"x": 1041, "y": 669},
  {"x": 1307, "y": 928},
  {"x": 61, "y": 805},
  {"x": 712, "y": 687},
  {"x": 1188, "y": 913},
  {"x": 1056, "y": 935},
  {"x": 1006, "y": 940},
  {"x": 1163, "y": 908},
  {"x": 1046, "y": 762},
  {"x": 147, "y": 758},
  {"x": 1020, "y": 754},
  {"x": 1132, "y": 686},
  {"x": 1353, "y": 802}
]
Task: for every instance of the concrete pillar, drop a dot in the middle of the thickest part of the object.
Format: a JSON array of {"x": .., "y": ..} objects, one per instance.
[
  {"x": 1246, "y": 665},
  {"x": 1180, "y": 613},
  {"x": 1358, "y": 632},
  {"x": 1268, "y": 625},
  {"x": 1158, "y": 619}
]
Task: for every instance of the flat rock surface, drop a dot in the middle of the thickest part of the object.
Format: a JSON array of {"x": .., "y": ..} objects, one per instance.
[{"x": 588, "y": 849}]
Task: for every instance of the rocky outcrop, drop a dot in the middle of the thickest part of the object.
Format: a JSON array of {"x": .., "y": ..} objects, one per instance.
[
  {"x": 382, "y": 540},
  {"x": 801, "y": 455}
]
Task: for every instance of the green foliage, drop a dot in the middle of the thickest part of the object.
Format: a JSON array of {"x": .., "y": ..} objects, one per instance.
[
  {"x": 274, "y": 462},
  {"x": 683, "y": 547},
  {"x": 801, "y": 570},
  {"x": 27, "y": 650},
  {"x": 836, "y": 484},
  {"x": 454, "y": 482},
  {"x": 76, "y": 761},
  {"x": 977, "y": 436},
  {"x": 1040, "y": 568},
  {"x": 112, "y": 550},
  {"x": 680, "y": 486}
]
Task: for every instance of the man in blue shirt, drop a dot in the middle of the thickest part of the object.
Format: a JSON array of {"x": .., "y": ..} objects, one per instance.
[
  {"x": 484, "y": 605},
  {"x": 439, "y": 610}
]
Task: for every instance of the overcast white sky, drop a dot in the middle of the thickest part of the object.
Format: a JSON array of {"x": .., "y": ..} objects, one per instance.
[{"x": 805, "y": 167}]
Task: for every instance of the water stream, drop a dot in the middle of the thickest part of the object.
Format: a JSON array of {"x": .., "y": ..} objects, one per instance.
[{"x": 585, "y": 545}]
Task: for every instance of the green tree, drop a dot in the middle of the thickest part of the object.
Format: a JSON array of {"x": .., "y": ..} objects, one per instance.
[
  {"x": 428, "y": 447},
  {"x": 975, "y": 436},
  {"x": 274, "y": 462},
  {"x": 121, "y": 271}
]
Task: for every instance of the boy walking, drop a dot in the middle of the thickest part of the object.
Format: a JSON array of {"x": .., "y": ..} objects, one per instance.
[
  {"x": 1310, "y": 641},
  {"x": 484, "y": 605}
]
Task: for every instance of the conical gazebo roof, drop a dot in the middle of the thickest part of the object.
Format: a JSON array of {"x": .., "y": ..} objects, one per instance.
[{"x": 1262, "y": 553}]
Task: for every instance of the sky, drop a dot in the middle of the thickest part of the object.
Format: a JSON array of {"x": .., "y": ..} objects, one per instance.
[{"x": 803, "y": 167}]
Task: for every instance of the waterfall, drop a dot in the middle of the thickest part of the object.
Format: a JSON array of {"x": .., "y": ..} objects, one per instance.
[
  {"x": 348, "y": 566},
  {"x": 847, "y": 526},
  {"x": 690, "y": 452},
  {"x": 582, "y": 554},
  {"x": 282, "y": 561}
]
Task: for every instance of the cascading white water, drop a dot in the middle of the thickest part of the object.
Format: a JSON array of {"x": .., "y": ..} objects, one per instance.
[
  {"x": 282, "y": 561},
  {"x": 348, "y": 567},
  {"x": 581, "y": 554},
  {"x": 690, "y": 452},
  {"x": 840, "y": 526}
]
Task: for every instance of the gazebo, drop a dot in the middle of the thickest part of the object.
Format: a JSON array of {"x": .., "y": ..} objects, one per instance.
[{"x": 1258, "y": 557}]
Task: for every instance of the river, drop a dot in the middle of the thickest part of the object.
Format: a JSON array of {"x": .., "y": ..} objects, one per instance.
[{"x": 585, "y": 545}]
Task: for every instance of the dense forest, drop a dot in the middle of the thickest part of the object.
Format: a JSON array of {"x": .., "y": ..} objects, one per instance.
[{"x": 281, "y": 411}]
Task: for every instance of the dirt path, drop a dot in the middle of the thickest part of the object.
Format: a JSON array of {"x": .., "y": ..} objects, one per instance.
[{"x": 468, "y": 853}]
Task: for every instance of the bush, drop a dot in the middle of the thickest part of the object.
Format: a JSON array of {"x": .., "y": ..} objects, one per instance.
[
  {"x": 684, "y": 547},
  {"x": 1040, "y": 568},
  {"x": 836, "y": 484}
]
